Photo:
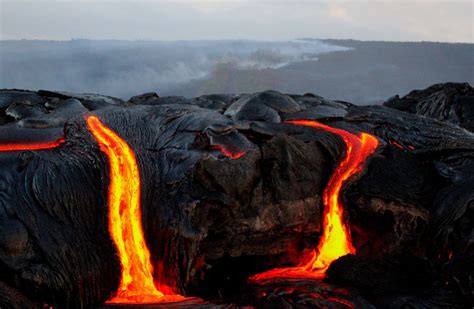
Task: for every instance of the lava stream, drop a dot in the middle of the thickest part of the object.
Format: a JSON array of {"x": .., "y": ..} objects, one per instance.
[
  {"x": 336, "y": 240},
  {"x": 125, "y": 227},
  {"x": 31, "y": 146}
]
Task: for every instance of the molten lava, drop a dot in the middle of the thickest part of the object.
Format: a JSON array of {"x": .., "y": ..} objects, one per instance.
[
  {"x": 398, "y": 145},
  {"x": 335, "y": 241},
  {"x": 32, "y": 146},
  {"x": 125, "y": 227},
  {"x": 228, "y": 153}
]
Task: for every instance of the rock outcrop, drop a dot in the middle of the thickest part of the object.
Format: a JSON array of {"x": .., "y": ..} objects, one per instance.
[{"x": 451, "y": 102}]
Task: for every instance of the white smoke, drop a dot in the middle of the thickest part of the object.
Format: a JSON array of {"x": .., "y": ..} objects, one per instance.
[{"x": 125, "y": 68}]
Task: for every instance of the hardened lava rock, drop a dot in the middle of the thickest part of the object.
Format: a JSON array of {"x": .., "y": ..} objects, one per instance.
[{"x": 229, "y": 189}]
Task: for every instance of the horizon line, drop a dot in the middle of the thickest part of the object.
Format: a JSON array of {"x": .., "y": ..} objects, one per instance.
[{"x": 236, "y": 39}]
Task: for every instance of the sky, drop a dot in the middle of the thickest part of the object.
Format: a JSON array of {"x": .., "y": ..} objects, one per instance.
[{"x": 390, "y": 20}]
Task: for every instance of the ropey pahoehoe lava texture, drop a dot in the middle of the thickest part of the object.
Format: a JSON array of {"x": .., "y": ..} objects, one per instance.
[{"x": 231, "y": 186}]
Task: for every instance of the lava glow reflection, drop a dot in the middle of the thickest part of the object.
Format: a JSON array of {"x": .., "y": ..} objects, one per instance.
[
  {"x": 336, "y": 240},
  {"x": 136, "y": 282},
  {"x": 228, "y": 153}
]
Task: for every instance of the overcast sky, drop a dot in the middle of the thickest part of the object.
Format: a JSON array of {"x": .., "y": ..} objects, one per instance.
[{"x": 394, "y": 20}]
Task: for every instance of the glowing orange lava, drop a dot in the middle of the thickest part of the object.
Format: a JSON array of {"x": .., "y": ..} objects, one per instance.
[
  {"x": 32, "y": 146},
  {"x": 125, "y": 227},
  {"x": 396, "y": 144},
  {"x": 335, "y": 241},
  {"x": 228, "y": 153}
]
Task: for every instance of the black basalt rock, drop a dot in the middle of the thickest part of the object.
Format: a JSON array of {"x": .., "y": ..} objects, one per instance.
[
  {"x": 228, "y": 189},
  {"x": 451, "y": 102}
]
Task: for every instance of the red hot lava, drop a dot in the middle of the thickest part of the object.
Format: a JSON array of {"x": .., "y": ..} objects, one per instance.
[
  {"x": 125, "y": 227},
  {"x": 335, "y": 241},
  {"x": 31, "y": 146},
  {"x": 228, "y": 153},
  {"x": 398, "y": 145},
  {"x": 136, "y": 284}
]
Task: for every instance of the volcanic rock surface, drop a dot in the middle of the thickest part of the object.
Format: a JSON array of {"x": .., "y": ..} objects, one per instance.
[
  {"x": 451, "y": 102},
  {"x": 229, "y": 189}
]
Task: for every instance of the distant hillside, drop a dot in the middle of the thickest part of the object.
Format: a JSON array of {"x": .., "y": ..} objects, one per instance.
[
  {"x": 368, "y": 73},
  {"x": 356, "y": 71}
]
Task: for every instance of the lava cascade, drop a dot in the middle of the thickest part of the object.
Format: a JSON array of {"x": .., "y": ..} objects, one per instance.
[
  {"x": 336, "y": 240},
  {"x": 125, "y": 227}
]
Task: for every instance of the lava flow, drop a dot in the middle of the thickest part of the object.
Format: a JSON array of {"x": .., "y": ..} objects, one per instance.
[
  {"x": 125, "y": 227},
  {"x": 31, "y": 146},
  {"x": 336, "y": 240}
]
